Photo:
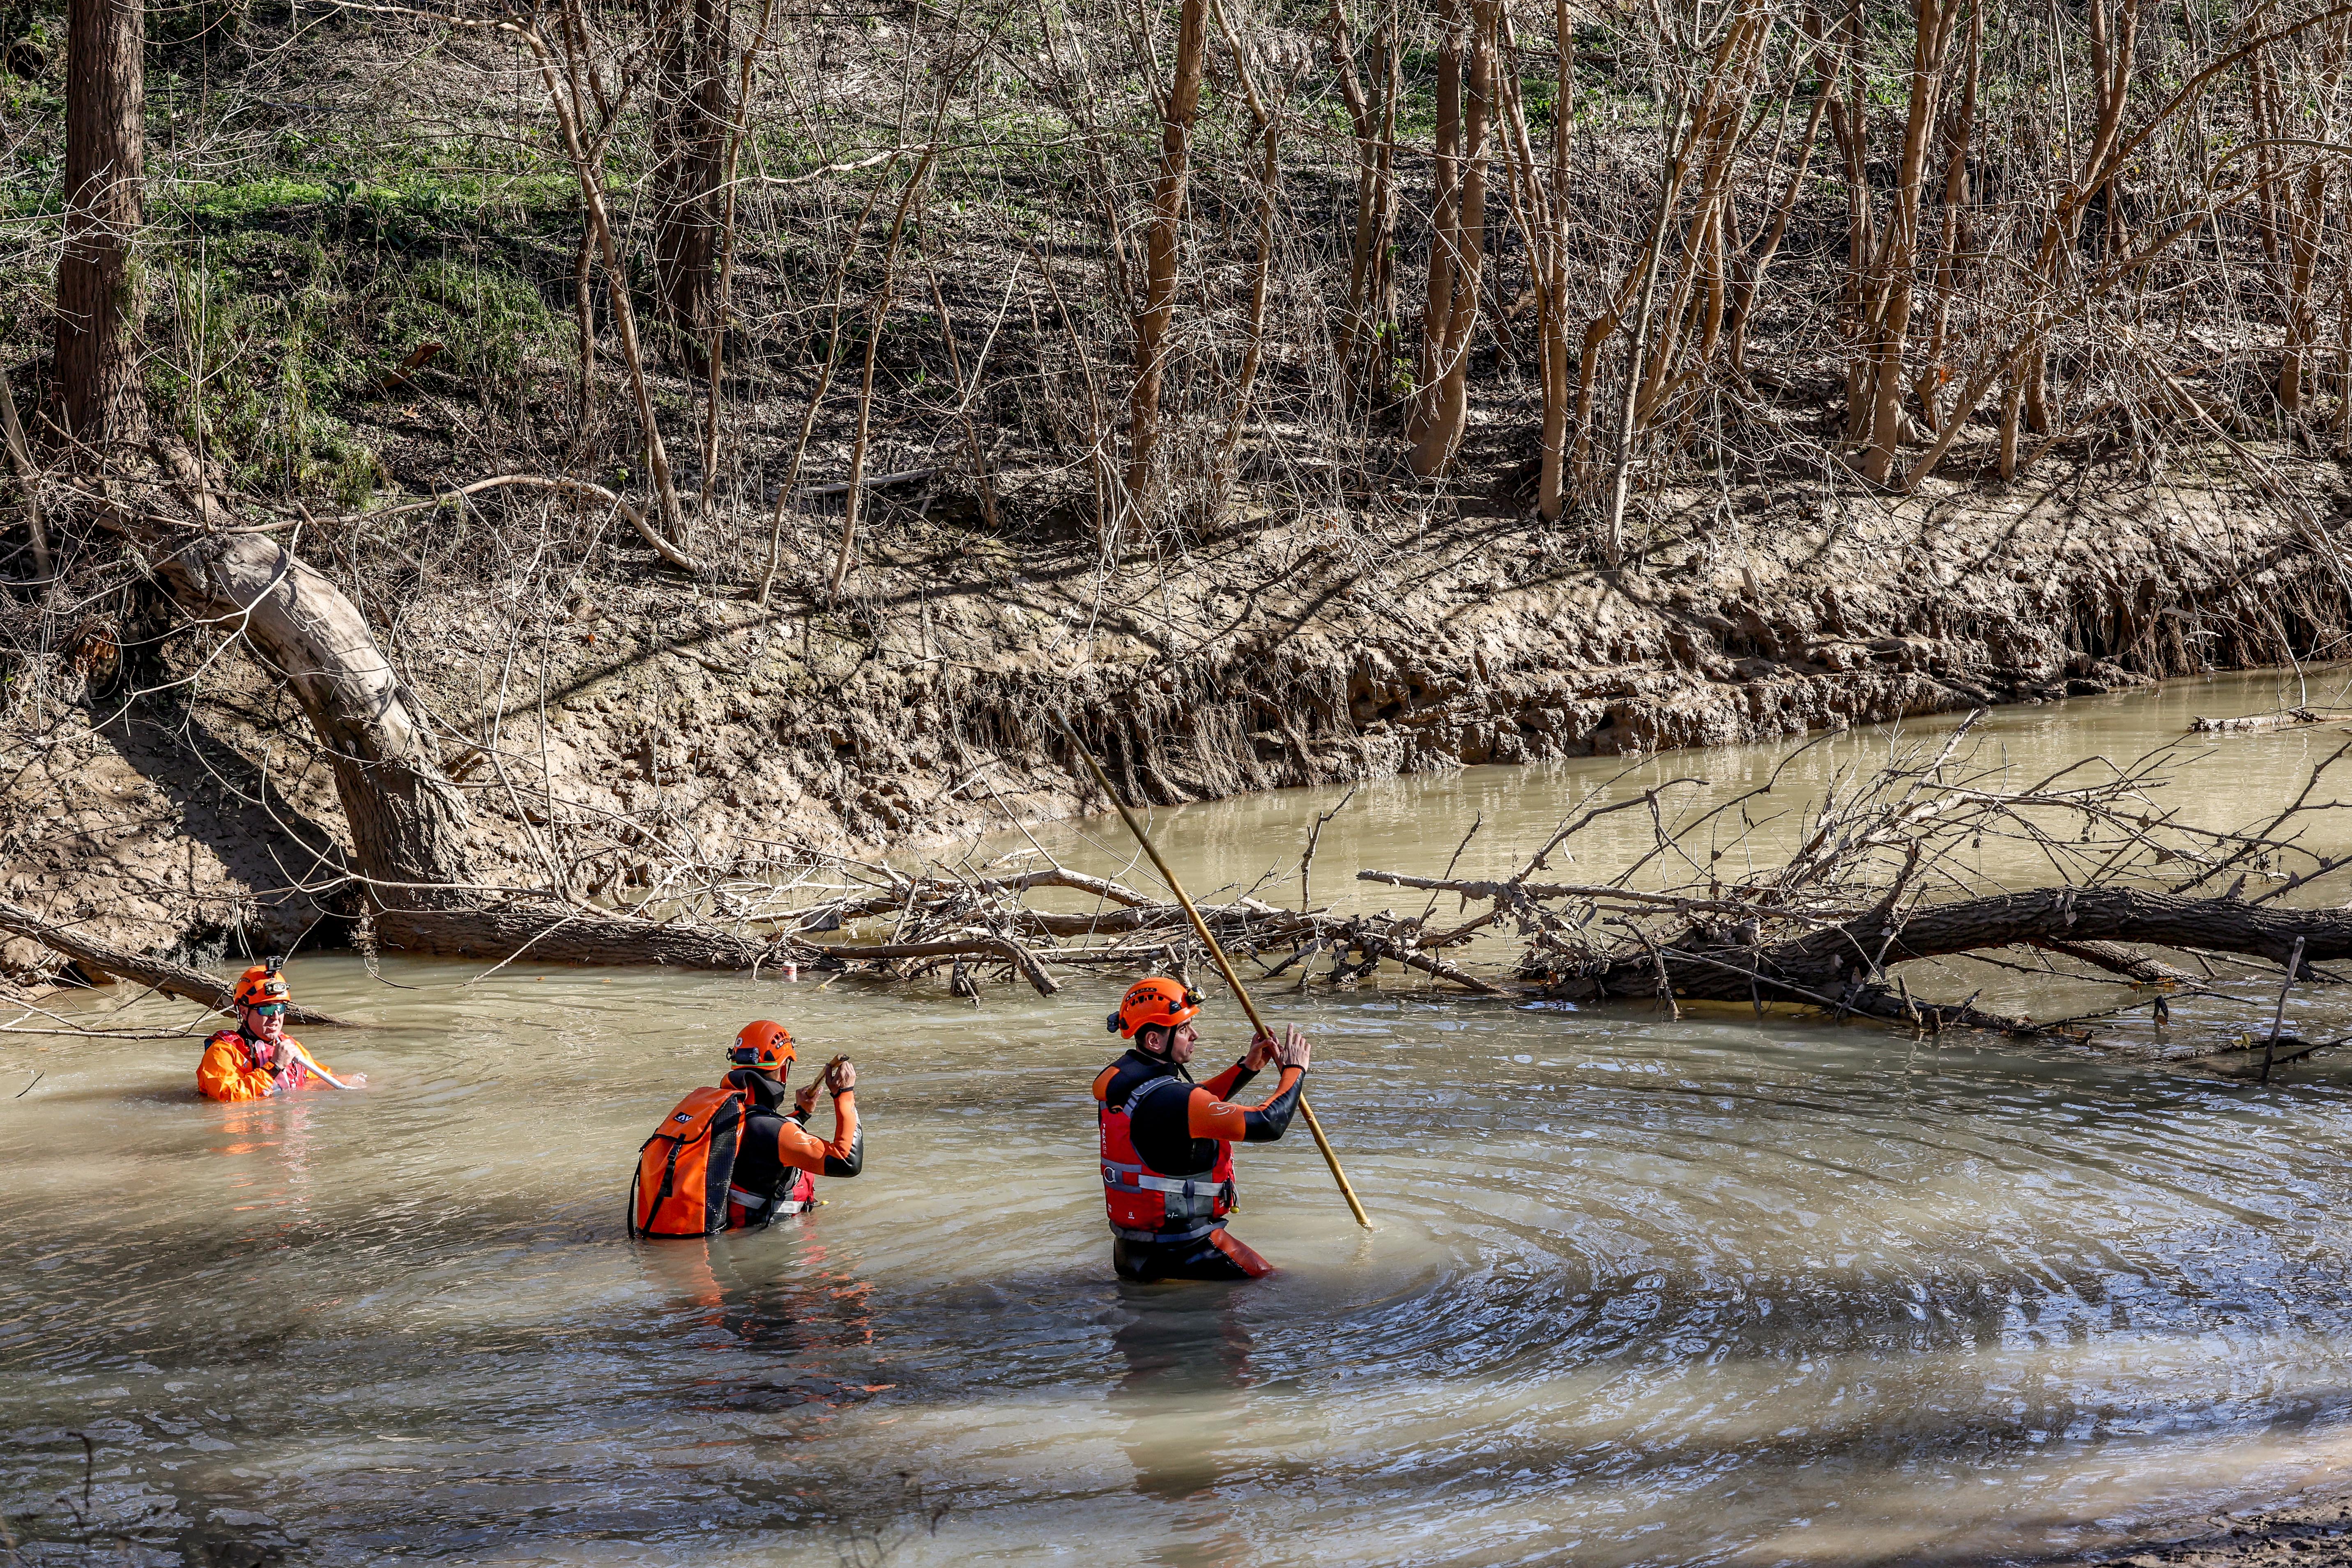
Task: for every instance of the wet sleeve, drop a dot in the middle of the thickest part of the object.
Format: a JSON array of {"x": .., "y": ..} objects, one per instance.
[
  {"x": 222, "y": 1075},
  {"x": 1230, "y": 1082},
  {"x": 1260, "y": 1123},
  {"x": 804, "y": 1150}
]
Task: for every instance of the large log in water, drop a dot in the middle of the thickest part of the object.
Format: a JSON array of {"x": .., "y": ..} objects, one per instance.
[
  {"x": 1844, "y": 963},
  {"x": 2051, "y": 914},
  {"x": 170, "y": 979},
  {"x": 1839, "y": 963},
  {"x": 557, "y": 936},
  {"x": 590, "y": 937}
]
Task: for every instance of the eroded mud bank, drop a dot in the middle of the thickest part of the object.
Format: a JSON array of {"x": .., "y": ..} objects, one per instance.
[{"x": 643, "y": 726}]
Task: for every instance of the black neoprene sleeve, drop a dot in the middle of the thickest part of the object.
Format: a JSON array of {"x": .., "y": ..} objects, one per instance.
[{"x": 1272, "y": 1119}]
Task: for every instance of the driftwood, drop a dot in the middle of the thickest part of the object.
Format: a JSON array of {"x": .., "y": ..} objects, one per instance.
[
  {"x": 2285, "y": 718},
  {"x": 1889, "y": 875},
  {"x": 170, "y": 979}
]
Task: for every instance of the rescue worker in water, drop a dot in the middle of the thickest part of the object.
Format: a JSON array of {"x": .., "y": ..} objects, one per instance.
[
  {"x": 731, "y": 1157},
  {"x": 259, "y": 1058},
  {"x": 1168, "y": 1142}
]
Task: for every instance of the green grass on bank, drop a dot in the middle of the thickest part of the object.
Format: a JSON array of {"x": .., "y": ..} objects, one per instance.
[
  {"x": 462, "y": 201},
  {"x": 270, "y": 342}
]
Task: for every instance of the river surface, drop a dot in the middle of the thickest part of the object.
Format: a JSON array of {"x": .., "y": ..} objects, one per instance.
[{"x": 1713, "y": 1291}]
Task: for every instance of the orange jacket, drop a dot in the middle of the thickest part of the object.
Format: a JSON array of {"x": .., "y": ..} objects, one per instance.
[
  {"x": 229, "y": 1071},
  {"x": 798, "y": 1147}
]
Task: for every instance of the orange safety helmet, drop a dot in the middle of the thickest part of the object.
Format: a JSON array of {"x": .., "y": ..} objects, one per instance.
[
  {"x": 260, "y": 983},
  {"x": 762, "y": 1044},
  {"x": 1156, "y": 1000}
]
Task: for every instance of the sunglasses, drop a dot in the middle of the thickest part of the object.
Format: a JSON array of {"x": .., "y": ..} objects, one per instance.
[{"x": 271, "y": 1009}]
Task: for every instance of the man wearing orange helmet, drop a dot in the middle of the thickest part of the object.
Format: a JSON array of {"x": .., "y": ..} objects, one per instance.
[
  {"x": 1168, "y": 1142},
  {"x": 730, "y": 1158},
  {"x": 259, "y": 1058}
]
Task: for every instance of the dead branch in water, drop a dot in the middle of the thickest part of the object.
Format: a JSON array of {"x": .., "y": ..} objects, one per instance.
[
  {"x": 1889, "y": 869},
  {"x": 170, "y": 979},
  {"x": 947, "y": 914}
]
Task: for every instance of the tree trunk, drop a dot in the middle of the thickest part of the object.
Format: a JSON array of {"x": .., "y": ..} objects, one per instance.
[
  {"x": 1540, "y": 191},
  {"x": 408, "y": 822},
  {"x": 1364, "y": 344},
  {"x": 586, "y": 158},
  {"x": 2063, "y": 918},
  {"x": 1457, "y": 259},
  {"x": 692, "y": 174},
  {"x": 1160, "y": 247},
  {"x": 159, "y": 975},
  {"x": 1886, "y": 289},
  {"x": 106, "y": 159},
  {"x": 1445, "y": 194}
]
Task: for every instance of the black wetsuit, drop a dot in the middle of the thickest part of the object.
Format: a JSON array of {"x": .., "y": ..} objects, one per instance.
[
  {"x": 760, "y": 1167},
  {"x": 1182, "y": 1133}
]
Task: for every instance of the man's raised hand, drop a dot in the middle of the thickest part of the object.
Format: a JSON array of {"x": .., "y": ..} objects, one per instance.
[
  {"x": 1261, "y": 1051},
  {"x": 1291, "y": 1052}
]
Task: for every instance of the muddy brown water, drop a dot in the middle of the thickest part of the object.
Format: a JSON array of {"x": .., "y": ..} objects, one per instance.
[{"x": 1642, "y": 1292}]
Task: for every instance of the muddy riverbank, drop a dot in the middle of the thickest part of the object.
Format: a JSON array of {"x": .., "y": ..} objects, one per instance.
[{"x": 611, "y": 736}]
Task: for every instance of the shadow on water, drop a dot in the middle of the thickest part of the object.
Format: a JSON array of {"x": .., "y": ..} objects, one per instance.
[
  {"x": 731, "y": 1294},
  {"x": 1185, "y": 1354}
]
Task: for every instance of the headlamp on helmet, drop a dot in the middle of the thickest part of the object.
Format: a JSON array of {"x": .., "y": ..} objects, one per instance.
[
  {"x": 762, "y": 1044},
  {"x": 260, "y": 983}
]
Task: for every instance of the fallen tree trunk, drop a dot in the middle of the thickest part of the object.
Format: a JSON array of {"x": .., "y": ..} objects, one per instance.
[
  {"x": 170, "y": 979},
  {"x": 1843, "y": 962},
  {"x": 589, "y": 937},
  {"x": 511, "y": 932},
  {"x": 2070, "y": 914},
  {"x": 408, "y": 822},
  {"x": 1713, "y": 948}
]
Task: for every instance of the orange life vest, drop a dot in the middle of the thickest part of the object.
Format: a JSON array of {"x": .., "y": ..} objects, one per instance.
[
  {"x": 229, "y": 1070},
  {"x": 684, "y": 1183},
  {"x": 1147, "y": 1205}
]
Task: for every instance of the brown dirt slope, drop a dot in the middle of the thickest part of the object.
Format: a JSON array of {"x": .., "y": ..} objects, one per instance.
[{"x": 644, "y": 726}]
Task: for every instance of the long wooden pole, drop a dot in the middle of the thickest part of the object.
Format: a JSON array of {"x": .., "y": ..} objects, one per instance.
[{"x": 1217, "y": 954}]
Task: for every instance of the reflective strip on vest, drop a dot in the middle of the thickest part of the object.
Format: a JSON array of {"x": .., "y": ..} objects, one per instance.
[
  {"x": 1135, "y": 1178},
  {"x": 755, "y": 1203},
  {"x": 1114, "y": 1175}
]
